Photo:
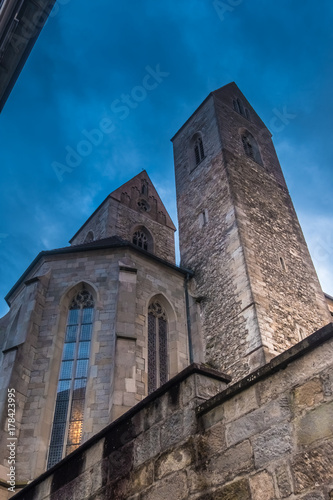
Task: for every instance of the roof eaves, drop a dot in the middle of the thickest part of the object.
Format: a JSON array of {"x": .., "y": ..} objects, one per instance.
[{"x": 84, "y": 248}]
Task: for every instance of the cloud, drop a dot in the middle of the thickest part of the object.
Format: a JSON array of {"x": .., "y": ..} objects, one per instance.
[{"x": 278, "y": 53}]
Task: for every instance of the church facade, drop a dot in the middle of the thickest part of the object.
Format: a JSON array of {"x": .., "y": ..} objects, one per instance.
[{"x": 97, "y": 327}]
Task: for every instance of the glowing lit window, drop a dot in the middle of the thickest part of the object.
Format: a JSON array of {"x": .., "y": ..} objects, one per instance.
[
  {"x": 157, "y": 347},
  {"x": 69, "y": 410}
]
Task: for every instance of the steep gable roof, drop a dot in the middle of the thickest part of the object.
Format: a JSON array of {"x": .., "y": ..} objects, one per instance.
[{"x": 156, "y": 209}]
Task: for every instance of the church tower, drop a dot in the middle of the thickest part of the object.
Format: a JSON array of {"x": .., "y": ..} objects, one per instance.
[{"x": 256, "y": 288}]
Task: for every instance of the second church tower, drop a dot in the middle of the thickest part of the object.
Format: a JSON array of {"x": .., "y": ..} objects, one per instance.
[{"x": 258, "y": 290}]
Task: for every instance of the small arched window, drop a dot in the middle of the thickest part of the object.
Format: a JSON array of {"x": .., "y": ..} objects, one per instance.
[
  {"x": 89, "y": 238},
  {"x": 157, "y": 347},
  {"x": 144, "y": 188},
  {"x": 251, "y": 147},
  {"x": 240, "y": 107},
  {"x": 69, "y": 409},
  {"x": 198, "y": 151},
  {"x": 140, "y": 239}
]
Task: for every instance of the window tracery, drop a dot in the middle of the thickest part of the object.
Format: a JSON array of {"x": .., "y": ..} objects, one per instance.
[
  {"x": 140, "y": 239},
  {"x": 143, "y": 205},
  {"x": 69, "y": 409}
]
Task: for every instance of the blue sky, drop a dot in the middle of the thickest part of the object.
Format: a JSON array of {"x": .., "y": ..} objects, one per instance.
[{"x": 91, "y": 55}]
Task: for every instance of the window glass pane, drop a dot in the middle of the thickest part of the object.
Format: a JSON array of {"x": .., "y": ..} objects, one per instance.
[
  {"x": 60, "y": 414},
  {"x": 79, "y": 388},
  {"x": 87, "y": 315},
  {"x": 63, "y": 389},
  {"x": 55, "y": 455},
  {"x": 80, "y": 383},
  {"x": 69, "y": 350},
  {"x": 71, "y": 334},
  {"x": 85, "y": 332},
  {"x": 151, "y": 353},
  {"x": 163, "y": 354},
  {"x": 58, "y": 433},
  {"x": 84, "y": 348},
  {"x": 81, "y": 368},
  {"x": 75, "y": 432},
  {"x": 73, "y": 317},
  {"x": 71, "y": 448},
  {"x": 66, "y": 369},
  {"x": 77, "y": 409}
]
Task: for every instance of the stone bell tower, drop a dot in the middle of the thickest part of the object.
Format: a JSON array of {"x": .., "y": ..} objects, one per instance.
[{"x": 255, "y": 284}]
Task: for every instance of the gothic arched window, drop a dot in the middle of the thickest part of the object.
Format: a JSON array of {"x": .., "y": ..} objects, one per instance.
[
  {"x": 157, "y": 347},
  {"x": 251, "y": 147},
  {"x": 142, "y": 238},
  {"x": 198, "y": 151},
  {"x": 69, "y": 409}
]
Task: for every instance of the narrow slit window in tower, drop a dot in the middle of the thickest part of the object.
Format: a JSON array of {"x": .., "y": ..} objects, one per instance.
[
  {"x": 198, "y": 151},
  {"x": 251, "y": 147}
]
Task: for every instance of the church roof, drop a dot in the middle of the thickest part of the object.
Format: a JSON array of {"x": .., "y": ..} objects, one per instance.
[
  {"x": 159, "y": 212},
  {"x": 137, "y": 183},
  {"x": 230, "y": 89},
  {"x": 106, "y": 243}
]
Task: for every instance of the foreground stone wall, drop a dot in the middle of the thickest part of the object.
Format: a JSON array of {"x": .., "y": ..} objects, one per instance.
[{"x": 269, "y": 436}]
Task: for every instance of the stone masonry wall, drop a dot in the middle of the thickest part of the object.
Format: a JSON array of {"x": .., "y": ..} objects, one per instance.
[
  {"x": 124, "y": 220},
  {"x": 122, "y": 282},
  {"x": 266, "y": 437},
  {"x": 97, "y": 224},
  {"x": 254, "y": 279},
  {"x": 213, "y": 250},
  {"x": 126, "y": 210},
  {"x": 289, "y": 301},
  {"x": 115, "y": 218}
]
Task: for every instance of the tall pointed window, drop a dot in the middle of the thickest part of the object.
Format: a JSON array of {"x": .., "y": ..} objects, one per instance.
[
  {"x": 144, "y": 187},
  {"x": 68, "y": 416},
  {"x": 251, "y": 147},
  {"x": 157, "y": 347},
  {"x": 198, "y": 151}
]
